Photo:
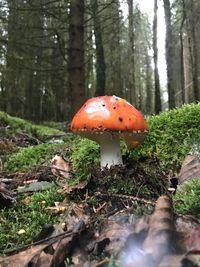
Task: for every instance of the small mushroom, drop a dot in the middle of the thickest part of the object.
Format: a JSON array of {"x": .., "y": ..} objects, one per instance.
[{"x": 106, "y": 119}]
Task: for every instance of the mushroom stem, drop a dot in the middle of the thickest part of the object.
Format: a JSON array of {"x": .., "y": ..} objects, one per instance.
[{"x": 110, "y": 151}]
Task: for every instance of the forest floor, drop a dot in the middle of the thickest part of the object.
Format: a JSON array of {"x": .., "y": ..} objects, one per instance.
[{"x": 123, "y": 216}]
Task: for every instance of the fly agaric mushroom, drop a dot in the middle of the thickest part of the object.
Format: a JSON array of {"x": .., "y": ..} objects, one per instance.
[{"x": 106, "y": 119}]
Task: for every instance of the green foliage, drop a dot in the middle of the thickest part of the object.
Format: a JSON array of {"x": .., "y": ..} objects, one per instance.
[
  {"x": 85, "y": 157},
  {"x": 171, "y": 136},
  {"x": 42, "y": 132},
  {"x": 19, "y": 125},
  {"x": 112, "y": 262},
  {"x": 197, "y": 262},
  {"x": 187, "y": 198},
  {"x": 31, "y": 156},
  {"x": 29, "y": 215}
]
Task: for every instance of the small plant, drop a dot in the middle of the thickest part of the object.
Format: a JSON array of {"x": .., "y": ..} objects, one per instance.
[{"x": 187, "y": 198}]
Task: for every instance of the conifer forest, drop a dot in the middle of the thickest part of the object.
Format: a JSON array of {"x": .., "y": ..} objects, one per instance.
[{"x": 55, "y": 54}]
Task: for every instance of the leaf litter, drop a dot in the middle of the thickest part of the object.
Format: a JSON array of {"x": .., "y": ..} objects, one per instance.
[{"x": 100, "y": 226}]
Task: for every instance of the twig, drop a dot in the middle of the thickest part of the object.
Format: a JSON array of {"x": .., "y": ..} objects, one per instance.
[
  {"x": 120, "y": 196},
  {"x": 76, "y": 230},
  {"x": 59, "y": 135}
]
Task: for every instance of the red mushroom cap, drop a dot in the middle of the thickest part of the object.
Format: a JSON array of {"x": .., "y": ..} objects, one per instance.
[{"x": 110, "y": 113}]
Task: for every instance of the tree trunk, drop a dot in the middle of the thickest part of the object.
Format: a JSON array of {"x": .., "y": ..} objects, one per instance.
[
  {"x": 149, "y": 86},
  {"x": 132, "y": 90},
  {"x": 195, "y": 54},
  {"x": 158, "y": 106},
  {"x": 11, "y": 83},
  {"x": 76, "y": 55},
  {"x": 169, "y": 54},
  {"x": 100, "y": 60},
  {"x": 182, "y": 52}
]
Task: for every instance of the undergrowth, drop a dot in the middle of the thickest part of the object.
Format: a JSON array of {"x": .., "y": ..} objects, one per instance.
[
  {"x": 21, "y": 223},
  {"x": 85, "y": 158},
  {"x": 18, "y": 125},
  {"x": 187, "y": 198},
  {"x": 31, "y": 156},
  {"x": 172, "y": 134}
]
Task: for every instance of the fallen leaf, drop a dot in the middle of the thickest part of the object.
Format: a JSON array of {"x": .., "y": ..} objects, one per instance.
[
  {"x": 51, "y": 252},
  {"x": 190, "y": 169},
  {"x": 34, "y": 187},
  {"x": 60, "y": 167},
  {"x": 69, "y": 188},
  {"x": 193, "y": 240}
]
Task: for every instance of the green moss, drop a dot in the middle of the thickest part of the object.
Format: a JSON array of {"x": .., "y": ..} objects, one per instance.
[
  {"x": 19, "y": 125},
  {"x": 85, "y": 157},
  {"x": 187, "y": 198},
  {"x": 171, "y": 136},
  {"x": 29, "y": 215},
  {"x": 28, "y": 157}
]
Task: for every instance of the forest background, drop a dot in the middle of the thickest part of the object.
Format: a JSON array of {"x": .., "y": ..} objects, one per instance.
[{"x": 55, "y": 54}]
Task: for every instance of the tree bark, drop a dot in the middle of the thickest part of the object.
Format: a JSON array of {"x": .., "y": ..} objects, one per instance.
[
  {"x": 195, "y": 51},
  {"x": 149, "y": 86},
  {"x": 100, "y": 60},
  {"x": 132, "y": 90},
  {"x": 11, "y": 92},
  {"x": 158, "y": 106},
  {"x": 182, "y": 52},
  {"x": 169, "y": 54},
  {"x": 76, "y": 55}
]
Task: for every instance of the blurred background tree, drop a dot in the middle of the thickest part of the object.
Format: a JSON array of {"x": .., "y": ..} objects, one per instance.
[{"x": 54, "y": 54}]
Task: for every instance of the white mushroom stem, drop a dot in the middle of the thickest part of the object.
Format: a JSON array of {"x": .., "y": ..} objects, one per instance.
[{"x": 110, "y": 151}]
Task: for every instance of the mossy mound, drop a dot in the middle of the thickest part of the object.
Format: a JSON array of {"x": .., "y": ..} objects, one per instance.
[
  {"x": 29, "y": 157},
  {"x": 170, "y": 138},
  {"x": 85, "y": 157},
  {"x": 21, "y": 223},
  {"x": 143, "y": 180},
  {"x": 172, "y": 135},
  {"x": 10, "y": 125},
  {"x": 21, "y": 144},
  {"x": 187, "y": 198}
]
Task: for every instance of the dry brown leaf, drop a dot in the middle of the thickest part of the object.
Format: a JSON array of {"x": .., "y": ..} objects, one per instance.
[
  {"x": 60, "y": 167},
  {"x": 190, "y": 169},
  {"x": 51, "y": 252},
  {"x": 193, "y": 240},
  {"x": 23, "y": 258},
  {"x": 69, "y": 188}
]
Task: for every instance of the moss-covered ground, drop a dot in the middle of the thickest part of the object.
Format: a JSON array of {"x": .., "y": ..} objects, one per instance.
[{"x": 172, "y": 136}]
